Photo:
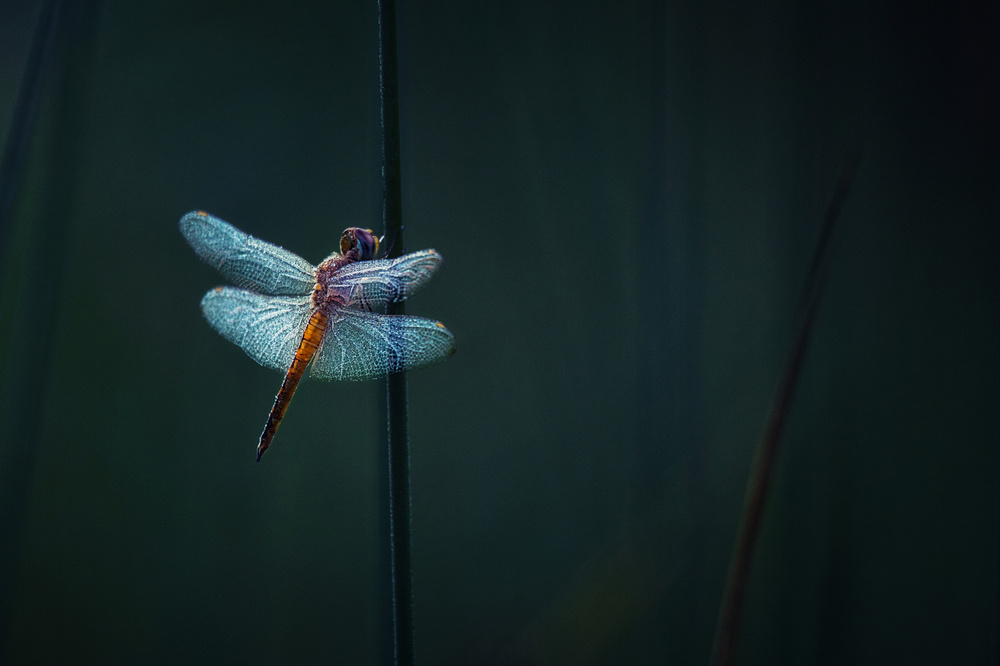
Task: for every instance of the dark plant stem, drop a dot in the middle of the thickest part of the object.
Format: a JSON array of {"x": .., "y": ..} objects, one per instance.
[
  {"x": 396, "y": 417},
  {"x": 21, "y": 433},
  {"x": 25, "y": 111},
  {"x": 58, "y": 70},
  {"x": 727, "y": 629}
]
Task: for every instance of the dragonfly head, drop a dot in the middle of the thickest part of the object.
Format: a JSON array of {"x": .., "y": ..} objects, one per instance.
[{"x": 362, "y": 241}]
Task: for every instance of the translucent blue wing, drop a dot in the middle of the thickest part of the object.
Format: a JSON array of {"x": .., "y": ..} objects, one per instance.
[
  {"x": 363, "y": 345},
  {"x": 247, "y": 261},
  {"x": 372, "y": 284},
  {"x": 267, "y": 328}
]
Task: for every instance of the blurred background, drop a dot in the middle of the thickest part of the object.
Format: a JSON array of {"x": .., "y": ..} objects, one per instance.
[{"x": 627, "y": 196}]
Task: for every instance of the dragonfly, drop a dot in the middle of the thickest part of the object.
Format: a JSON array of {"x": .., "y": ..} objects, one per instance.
[{"x": 285, "y": 313}]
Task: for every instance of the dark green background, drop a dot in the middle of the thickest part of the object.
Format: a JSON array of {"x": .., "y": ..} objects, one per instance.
[{"x": 626, "y": 197}]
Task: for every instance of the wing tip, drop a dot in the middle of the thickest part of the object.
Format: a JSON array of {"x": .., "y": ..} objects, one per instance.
[
  {"x": 447, "y": 343},
  {"x": 211, "y": 295},
  {"x": 194, "y": 216}
]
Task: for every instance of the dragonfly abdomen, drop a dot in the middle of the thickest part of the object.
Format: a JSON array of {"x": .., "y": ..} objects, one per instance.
[{"x": 311, "y": 338}]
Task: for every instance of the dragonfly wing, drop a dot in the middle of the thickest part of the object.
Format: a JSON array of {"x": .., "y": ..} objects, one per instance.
[
  {"x": 267, "y": 328},
  {"x": 364, "y": 345},
  {"x": 372, "y": 284},
  {"x": 247, "y": 261}
]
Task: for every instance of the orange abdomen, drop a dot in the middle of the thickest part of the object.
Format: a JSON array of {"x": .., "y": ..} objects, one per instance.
[{"x": 311, "y": 338}]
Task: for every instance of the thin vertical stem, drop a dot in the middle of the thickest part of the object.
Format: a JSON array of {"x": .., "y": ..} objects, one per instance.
[
  {"x": 25, "y": 110},
  {"x": 22, "y": 432},
  {"x": 727, "y": 629},
  {"x": 758, "y": 485},
  {"x": 396, "y": 407},
  {"x": 58, "y": 69}
]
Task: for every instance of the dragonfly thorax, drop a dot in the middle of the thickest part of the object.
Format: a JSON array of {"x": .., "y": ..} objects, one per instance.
[
  {"x": 323, "y": 294},
  {"x": 356, "y": 244}
]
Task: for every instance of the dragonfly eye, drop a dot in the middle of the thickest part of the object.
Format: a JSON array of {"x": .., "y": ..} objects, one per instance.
[
  {"x": 347, "y": 241},
  {"x": 363, "y": 241}
]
